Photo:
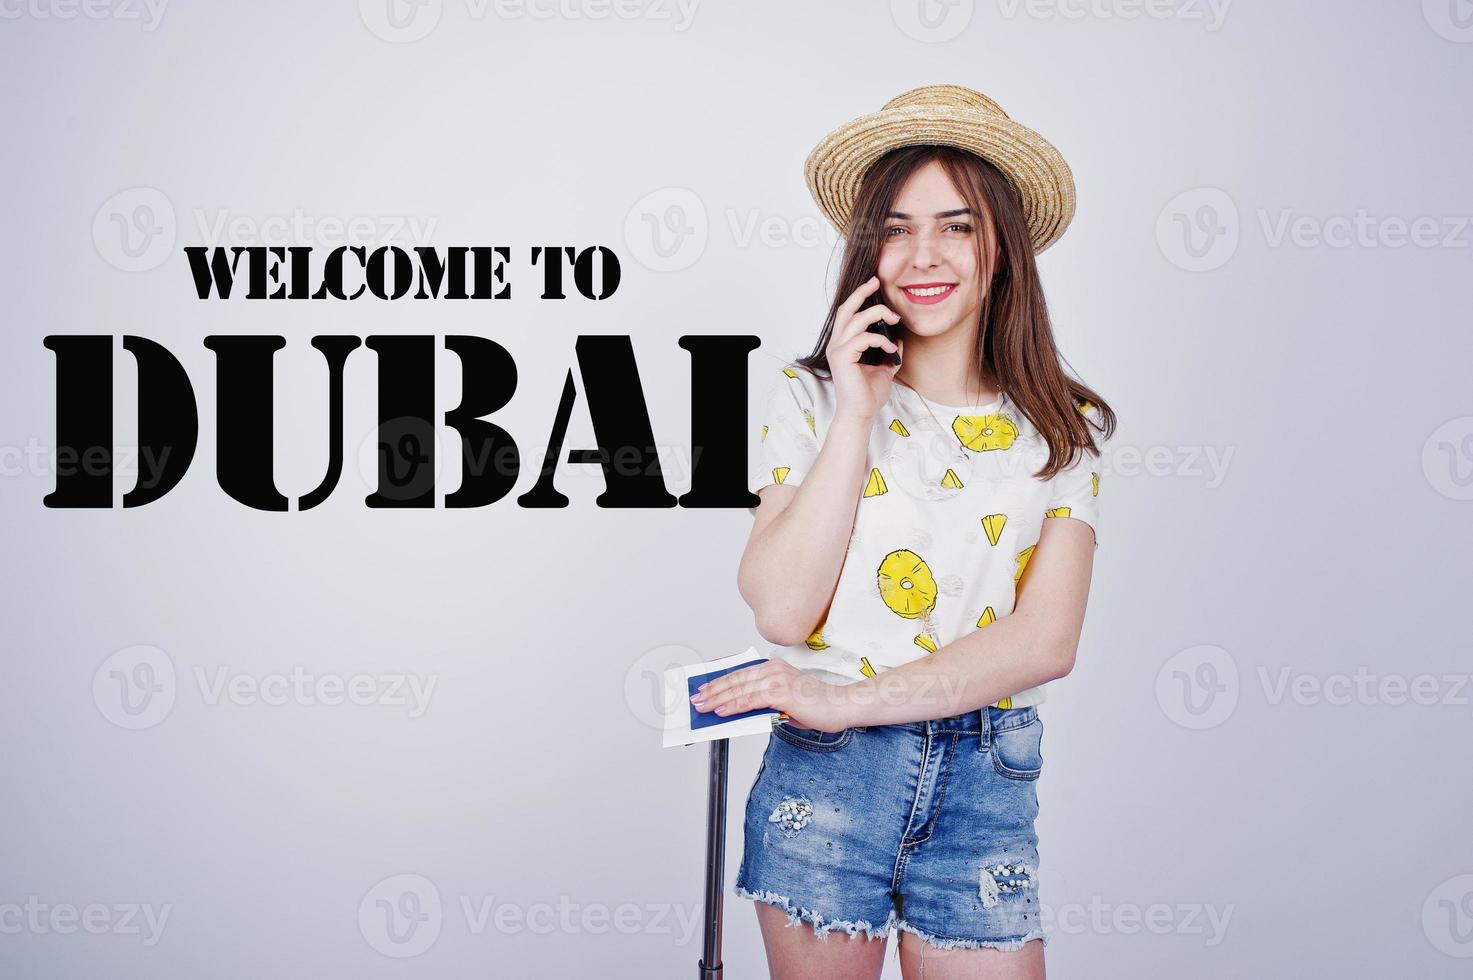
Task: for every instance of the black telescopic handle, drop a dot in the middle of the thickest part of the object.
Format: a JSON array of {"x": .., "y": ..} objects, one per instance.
[{"x": 710, "y": 965}]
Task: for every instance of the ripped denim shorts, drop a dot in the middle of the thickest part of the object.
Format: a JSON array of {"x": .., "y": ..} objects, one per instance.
[{"x": 925, "y": 827}]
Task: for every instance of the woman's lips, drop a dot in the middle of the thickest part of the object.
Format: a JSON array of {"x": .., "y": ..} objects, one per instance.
[{"x": 928, "y": 293}]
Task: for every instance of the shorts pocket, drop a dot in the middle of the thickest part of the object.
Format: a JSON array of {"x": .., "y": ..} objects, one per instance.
[
  {"x": 1017, "y": 752},
  {"x": 812, "y": 739}
]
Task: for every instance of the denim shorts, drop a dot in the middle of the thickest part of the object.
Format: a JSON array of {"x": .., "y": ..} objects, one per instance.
[{"x": 925, "y": 827}]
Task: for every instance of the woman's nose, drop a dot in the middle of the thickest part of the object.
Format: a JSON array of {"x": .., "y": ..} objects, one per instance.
[{"x": 926, "y": 252}]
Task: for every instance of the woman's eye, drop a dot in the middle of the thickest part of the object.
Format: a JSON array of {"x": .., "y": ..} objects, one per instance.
[
  {"x": 890, "y": 232},
  {"x": 960, "y": 226}
]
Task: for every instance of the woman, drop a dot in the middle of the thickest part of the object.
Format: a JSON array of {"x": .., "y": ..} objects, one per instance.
[{"x": 902, "y": 503}]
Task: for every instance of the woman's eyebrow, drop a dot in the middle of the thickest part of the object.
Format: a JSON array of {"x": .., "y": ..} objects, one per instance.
[{"x": 939, "y": 214}]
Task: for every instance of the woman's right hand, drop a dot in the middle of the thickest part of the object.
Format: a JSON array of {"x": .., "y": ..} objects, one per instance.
[{"x": 861, "y": 390}]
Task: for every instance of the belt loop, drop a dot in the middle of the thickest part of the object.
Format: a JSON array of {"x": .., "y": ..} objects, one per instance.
[{"x": 984, "y": 728}]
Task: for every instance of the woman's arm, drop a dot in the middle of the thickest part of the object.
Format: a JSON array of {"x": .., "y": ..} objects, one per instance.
[
  {"x": 790, "y": 568},
  {"x": 1035, "y": 643}
]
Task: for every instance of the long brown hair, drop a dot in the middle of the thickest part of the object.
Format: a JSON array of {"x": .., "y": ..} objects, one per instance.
[{"x": 1015, "y": 341}]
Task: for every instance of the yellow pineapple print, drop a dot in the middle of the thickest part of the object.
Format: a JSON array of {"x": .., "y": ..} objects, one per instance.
[
  {"x": 906, "y": 584},
  {"x": 909, "y": 589},
  {"x": 1023, "y": 557},
  {"x": 815, "y": 641},
  {"x": 993, "y": 525},
  {"x": 876, "y": 484},
  {"x": 981, "y": 433}
]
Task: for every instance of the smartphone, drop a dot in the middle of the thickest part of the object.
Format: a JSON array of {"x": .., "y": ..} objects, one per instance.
[{"x": 875, "y": 355}]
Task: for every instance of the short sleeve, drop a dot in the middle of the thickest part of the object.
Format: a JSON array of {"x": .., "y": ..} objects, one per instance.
[
  {"x": 787, "y": 434},
  {"x": 1075, "y": 492}
]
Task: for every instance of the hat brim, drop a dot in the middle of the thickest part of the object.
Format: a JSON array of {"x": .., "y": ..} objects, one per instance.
[{"x": 837, "y": 165}]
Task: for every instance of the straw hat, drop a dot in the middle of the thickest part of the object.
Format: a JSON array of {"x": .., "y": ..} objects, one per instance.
[{"x": 953, "y": 116}]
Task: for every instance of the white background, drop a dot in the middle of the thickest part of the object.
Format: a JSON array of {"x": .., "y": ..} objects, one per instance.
[{"x": 1287, "y": 500}]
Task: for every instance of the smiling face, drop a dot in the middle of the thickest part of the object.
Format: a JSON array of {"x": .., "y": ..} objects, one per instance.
[{"x": 928, "y": 262}]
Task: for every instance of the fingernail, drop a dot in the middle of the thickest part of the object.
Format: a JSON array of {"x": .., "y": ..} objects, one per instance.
[{"x": 696, "y": 697}]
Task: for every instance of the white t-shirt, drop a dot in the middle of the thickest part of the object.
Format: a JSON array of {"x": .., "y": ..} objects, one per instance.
[{"x": 942, "y": 535}]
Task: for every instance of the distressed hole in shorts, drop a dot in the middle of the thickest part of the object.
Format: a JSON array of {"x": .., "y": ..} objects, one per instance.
[
  {"x": 792, "y": 814},
  {"x": 1001, "y": 880}
]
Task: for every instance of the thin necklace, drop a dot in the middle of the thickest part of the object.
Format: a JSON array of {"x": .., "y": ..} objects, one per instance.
[{"x": 928, "y": 404}]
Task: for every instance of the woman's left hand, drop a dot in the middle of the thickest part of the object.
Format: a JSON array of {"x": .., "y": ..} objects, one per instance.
[{"x": 807, "y": 701}]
